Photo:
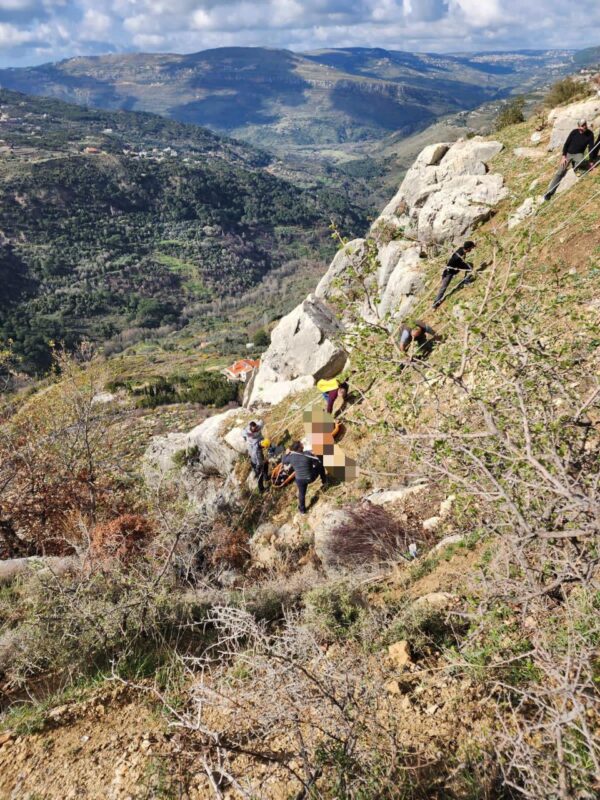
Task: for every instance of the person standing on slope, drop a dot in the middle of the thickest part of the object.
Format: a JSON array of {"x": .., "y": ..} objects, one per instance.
[
  {"x": 577, "y": 142},
  {"x": 307, "y": 468},
  {"x": 253, "y": 436},
  {"x": 416, "y": 334},
  {"x": 456, "y": 263}
]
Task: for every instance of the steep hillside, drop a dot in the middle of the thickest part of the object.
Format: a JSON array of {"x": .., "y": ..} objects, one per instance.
[
  {"x": 428, "y": 630},
  {"x": 276, "y": 98},
  {"x": 114, "y": 221}
]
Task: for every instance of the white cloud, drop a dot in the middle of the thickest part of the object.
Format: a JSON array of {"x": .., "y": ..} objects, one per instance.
[{"x": 52, "y": 29}]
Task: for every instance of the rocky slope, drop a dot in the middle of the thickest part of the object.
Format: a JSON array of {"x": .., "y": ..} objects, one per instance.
[{"x": 316, "y": 654}]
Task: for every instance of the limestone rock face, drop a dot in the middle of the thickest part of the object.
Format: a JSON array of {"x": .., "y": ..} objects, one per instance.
[
  {"x": 565, "y": 119},
  {"x": 526, "y": 209},
  {"x": 209, "y": 479},
  {"x": 446, "y": 192},
  {"x": 303, "y": 349},
  {"x": 322, "y": 522}
]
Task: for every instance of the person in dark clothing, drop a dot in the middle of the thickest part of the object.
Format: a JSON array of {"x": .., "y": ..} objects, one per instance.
[
  {"x": 456, "y": 263},
  {"x": 577, "y": 142},
  {"x": 253, "y": 436},
  {"x": 416, "y": 335},
  {"x": 307, "y": 468}
]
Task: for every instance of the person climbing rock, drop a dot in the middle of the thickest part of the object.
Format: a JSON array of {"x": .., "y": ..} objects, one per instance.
[
  {"x": 331, "y": 390},
  {"x": 253, "y": 436},
  {"x": 573, "y": 153},
  {"x": 419, "y": 334},
  {"x": 307, "y": 468},
  {"x": 456, "y": 263}
]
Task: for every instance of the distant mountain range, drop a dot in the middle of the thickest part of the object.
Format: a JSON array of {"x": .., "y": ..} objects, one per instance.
[{"x": 280, "y": 99}]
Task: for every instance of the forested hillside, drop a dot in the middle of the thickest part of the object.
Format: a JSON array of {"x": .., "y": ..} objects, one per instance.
[{"x": 113, "y": 221}]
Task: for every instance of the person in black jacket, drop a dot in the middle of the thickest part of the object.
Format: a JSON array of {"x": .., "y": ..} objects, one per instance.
[
  {"x": 577, "y": 142},
  {"x": 307, "y": 468},
  {"x": 456, "y": 263}
]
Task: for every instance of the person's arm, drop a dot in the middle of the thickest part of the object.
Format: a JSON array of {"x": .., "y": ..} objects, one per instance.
[{"x": 428, "y": 330}]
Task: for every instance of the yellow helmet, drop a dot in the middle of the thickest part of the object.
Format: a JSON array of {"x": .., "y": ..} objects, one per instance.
[{"x": 265, "y": 443}]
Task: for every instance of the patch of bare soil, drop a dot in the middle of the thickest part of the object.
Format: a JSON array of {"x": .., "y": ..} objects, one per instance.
[{"x": 110, "y": 748}]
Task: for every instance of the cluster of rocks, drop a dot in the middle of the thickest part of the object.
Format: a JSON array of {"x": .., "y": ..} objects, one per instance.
[{"x": 446, "y": 193}]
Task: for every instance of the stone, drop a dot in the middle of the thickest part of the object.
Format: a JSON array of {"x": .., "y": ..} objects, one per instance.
[
  {"x": 442, "y": 201},
  {"x": 529, "y": 152},
  {"x": 383, "y": 498},
  {"x": 535, "y": 137},
  {"x": 565, "y": 118},
  {"x": 446, "y": 505},
  {"x": 438, "y": 601},
  {"x": 304, "y": 345},
  {"x": 432, "y": 523},
  {"x": 102, "y": 398},
  {"x": 399, "y": 654},
  {"x": 526, "y": 209},
  {"x": 455, "y": 538},
  {"x": 393, "y": 687},
  {"x": 5, "y": 737},
  {"x": 322, "y": 522},
  {"x": 349, "y": 257},
  {"x": 567, "y": 182},
  {"x": 209, "y": 479}
]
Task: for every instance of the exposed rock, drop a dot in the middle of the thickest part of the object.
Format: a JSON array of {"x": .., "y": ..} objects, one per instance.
[
  {"x": 346, "y": 259},
  {"x": 322, "y": 522},
  {"x": 102, "y": 398},
  {"x": 303, "y": 349},
  {"x": 443, "y": 199},
  {"x": 455, "y": 538},
  {"x": 382, "y": 498},
  {"x": 529, "y": 152},
  {"x": 526, "y": 209},
  {"x": 235, "y": 440},
  {"x": 11, "y": 568},
  {"x": 432, "y": 523},
  {"x": 399, "y": 654},
  {"x": 446, "y": 505},
  {"x": 536, "y": 137},
  {"x": 209, "y": 479},
  {"x": 566, "y": 118},
  {"x": 567, "y": 182},
  {"x": 438, "y": 601}
]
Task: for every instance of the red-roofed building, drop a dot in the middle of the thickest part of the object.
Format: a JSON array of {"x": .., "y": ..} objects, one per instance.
[{"x": 241, "y": 370}]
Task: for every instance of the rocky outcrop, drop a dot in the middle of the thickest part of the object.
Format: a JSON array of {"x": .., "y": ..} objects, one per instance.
[
  {"x": 443, "y": 196},
  {"x": 202, "y": 461},
  {"x": 304, "y": 348},
  {"x": 565, "y": 119},
  {"x": 527, "y": 208},
  {"x": 445, "y": 193}
]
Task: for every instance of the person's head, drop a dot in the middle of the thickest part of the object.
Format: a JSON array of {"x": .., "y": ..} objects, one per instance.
[
  {"x": 344, "y": 389},
  {"x": 417, "y": 331},
  {"x": 469, "y": 245},
  {"x": 253, "y": 427},
  {"x": 582, "y": 125},
  {"x": 297, "y": 447}
]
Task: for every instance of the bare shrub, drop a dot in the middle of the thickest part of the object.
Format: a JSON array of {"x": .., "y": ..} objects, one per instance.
[
  {"x": 227, "y": 546},
  {"x": 271, "y": 712},
  {"x": 123, "y": 538},
  {"x": 372, "y": 534}
]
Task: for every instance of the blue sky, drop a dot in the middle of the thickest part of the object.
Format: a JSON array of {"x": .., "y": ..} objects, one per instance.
[{"x": 34, "y": 31}]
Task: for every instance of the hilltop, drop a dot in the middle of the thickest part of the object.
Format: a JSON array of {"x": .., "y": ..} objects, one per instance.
[
  {"x": 429, "y": 630},
  {"x": 279, "y": 99},
  {"x": 113, "y": 221}
]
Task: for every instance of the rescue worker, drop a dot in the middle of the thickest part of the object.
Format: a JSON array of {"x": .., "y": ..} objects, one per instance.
[
  {"x": 573, "y": 154},
  {"x": 456, "y": 263},
  {"x": 307, "y": 468},
  {"x": 417, "y": 334},
  {"x": 253, "y": 436}
]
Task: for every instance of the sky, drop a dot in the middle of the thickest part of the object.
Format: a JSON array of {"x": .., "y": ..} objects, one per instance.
[{"x": 36, "y": 31}]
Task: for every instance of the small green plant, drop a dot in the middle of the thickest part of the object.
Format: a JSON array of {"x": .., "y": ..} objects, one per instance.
[
  {"x": 511, "y": 113},
  {"x": 564, "y": 90},
  {"x": 186, "y": 456},
  {"x": 336, "y": 611}
]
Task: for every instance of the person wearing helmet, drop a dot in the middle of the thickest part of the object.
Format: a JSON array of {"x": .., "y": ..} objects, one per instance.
[
  {"x": 254, "y": 437},
  {"x": 573, "y": 154},
  {"x": 456, "y": 263}
]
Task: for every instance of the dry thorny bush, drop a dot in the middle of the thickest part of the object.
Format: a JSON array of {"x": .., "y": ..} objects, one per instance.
[{"x": 273, "y": 708}]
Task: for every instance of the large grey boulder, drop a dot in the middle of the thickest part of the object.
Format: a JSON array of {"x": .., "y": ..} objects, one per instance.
[
  {"x": 447, "y": 191},
  {"x": 305, "y": 347},
  {"x": 565, "y": 118},
  {"x": 207, "y": 475}
]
